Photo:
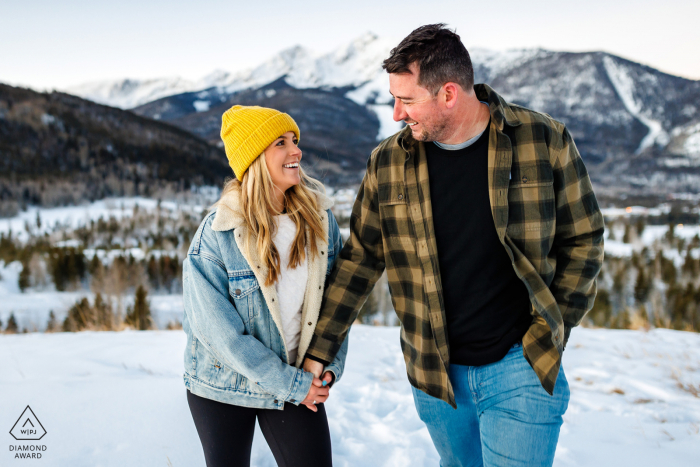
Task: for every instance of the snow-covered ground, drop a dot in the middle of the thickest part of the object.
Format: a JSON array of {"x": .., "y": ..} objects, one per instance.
[{"x": 117, "y": 399}]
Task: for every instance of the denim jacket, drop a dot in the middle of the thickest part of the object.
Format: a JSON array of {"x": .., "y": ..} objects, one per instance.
[{"x": 236, "y": 353}]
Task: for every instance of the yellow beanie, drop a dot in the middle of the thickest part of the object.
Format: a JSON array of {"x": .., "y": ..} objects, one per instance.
[{"x": 247, "y": 131}]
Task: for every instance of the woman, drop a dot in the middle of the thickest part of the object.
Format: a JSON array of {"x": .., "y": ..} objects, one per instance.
[{"x": 253, "y": 281}]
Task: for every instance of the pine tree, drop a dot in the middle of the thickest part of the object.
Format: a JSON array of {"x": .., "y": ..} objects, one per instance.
[
  {"x": 52, "y": 325},
  {"x": 640, "y": 226},
  {"x": 643, "y": 316},
  {"x": 602, "y": 309},
  {"x": 626, "y": 236},
  {"x": 24, "y": 277},
  {"x": 80, "y": 316},
  {"x": 11, "y": 327},
  {"x": 140, "y": 315},
  {"x": 690, "y": 265},
  {"x": 152, "y": 271},
  {"x": 165, "y": 271},
  {"x": 668, "y": 270},
  {"x": 619, "y": 280},
  {"x": 58, "y": 269},
  {"x": 641, "y": 286},
  {"x": 671, "y": 233},
  {"x": 623, "y": 320},
  {"x": 104, "y": 317},
  {"x": 94, "y": 264}
]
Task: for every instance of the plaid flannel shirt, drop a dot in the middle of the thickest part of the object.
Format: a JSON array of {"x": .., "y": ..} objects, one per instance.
[{"x": 546, "y": 217}]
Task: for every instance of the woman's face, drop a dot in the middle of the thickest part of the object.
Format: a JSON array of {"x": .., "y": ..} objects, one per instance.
[{"x": 282, "y": 158}]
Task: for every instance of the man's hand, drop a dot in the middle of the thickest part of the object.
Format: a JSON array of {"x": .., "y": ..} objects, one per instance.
[
  {"x": 317, "y": 393},
  {"x": 312, "y": 366}
]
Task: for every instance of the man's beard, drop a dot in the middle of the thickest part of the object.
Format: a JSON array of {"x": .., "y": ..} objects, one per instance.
[{"x": 431, "y": 133}]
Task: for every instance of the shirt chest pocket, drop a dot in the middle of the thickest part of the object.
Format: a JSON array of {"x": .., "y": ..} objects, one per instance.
[
  {"x": 241, "y": 287},
  {"x": 397, "y": 230},
  {"x": 531, "y": 201}
]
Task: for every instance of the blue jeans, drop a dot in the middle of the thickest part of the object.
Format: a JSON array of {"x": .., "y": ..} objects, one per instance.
[{"x": 504, "y": 417}]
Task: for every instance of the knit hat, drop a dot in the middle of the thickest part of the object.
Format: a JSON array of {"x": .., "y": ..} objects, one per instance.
[{"x": 247, "y": 130}]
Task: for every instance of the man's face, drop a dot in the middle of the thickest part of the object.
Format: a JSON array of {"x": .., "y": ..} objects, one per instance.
[{"x": 417, "y": 106}]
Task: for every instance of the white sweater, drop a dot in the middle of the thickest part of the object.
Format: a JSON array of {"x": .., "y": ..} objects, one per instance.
[{"x": 290, "y": 285}]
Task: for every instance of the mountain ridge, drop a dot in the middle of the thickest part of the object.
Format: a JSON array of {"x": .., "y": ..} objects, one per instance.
[{"x": 637, "y": 128}]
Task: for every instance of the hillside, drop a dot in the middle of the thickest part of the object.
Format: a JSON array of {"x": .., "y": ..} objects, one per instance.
[{"x": 58, "y": 149}]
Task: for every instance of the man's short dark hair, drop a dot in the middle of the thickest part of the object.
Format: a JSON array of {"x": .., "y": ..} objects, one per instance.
[{"x": 440, "y": 55}]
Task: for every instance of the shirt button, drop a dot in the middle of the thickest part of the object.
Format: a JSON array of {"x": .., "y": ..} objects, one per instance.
[
  {"x": 238, "y": 291},
  {"x": 309, "y": 323},
  {"x": 323, "y": 252},
  {"x": 292, "y": 401},
  {"x": 400, "y": 196},
  {"x": 524, "y": 179},
  {"x": 276, "y": 401}
]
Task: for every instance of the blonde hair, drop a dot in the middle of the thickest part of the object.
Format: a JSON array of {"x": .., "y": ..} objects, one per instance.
[{"x": 300, "y": 202}]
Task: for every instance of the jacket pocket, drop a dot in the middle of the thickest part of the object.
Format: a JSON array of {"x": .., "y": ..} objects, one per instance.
[
  {"x": 241, "y": 285},
  {"x": 212, "y": 372}
]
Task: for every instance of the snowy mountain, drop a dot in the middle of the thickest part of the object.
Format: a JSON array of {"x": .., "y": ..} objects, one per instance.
[
  {"x": 128, "y": 93},
  {"x": 352, "y": 65},
  {"x": 636, "y": 127}
]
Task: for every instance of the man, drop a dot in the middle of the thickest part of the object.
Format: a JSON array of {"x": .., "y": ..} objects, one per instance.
[{"x": 483, "y": 215}]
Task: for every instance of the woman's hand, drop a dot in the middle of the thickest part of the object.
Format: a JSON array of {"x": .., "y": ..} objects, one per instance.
[
  {"x": 317, "y": 393},
  {"x": 327, "y": 379}
]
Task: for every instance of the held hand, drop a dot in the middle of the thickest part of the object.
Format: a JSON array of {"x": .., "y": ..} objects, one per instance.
[
  {"x": 317, "y": 393},
  {"x": 327, "y": 378},
  {"x": 312, "y": 366}
]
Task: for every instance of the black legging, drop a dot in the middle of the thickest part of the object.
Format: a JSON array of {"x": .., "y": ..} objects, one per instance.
[{"x": 296, "y": 435}]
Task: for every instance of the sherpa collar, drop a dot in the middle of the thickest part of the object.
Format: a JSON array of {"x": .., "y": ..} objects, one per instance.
[{"x": 229, "y": 216}]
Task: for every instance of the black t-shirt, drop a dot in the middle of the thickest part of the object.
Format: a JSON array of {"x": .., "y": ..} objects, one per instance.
[{"x": 487, "y": 307}]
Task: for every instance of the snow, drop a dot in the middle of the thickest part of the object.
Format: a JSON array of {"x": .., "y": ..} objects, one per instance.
[
  {"x": 76, "y": 216},
  {"x": 690, "y": 148},
  {"x": 115, "y": 399},
  {"x": 624, "y": 85},
  {"x": 387, "y": 125},
  {"x": 651, "y": 235},
  {"x": 692, "y": 143},
  {"x": 354, "y": 64},
  {"x": 375, "y": 90},
  {"x": 128, "y": 93},
  {"x": 618, "y": 249},
  {"x": 636, "y": 211},
  {"x": 201, "y": 106},
  {"x": 656, "y": 232},
  {"x": 501, "y": 61}
]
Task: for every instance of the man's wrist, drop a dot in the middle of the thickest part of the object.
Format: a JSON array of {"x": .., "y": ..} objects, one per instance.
[{"x": 316, "y": 359}]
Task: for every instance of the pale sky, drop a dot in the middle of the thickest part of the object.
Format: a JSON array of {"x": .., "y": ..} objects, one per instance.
[{"x": 46, "y": 44}]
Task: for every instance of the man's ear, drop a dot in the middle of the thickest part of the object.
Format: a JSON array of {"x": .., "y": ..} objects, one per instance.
[{"x": 451, "y": 92}]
